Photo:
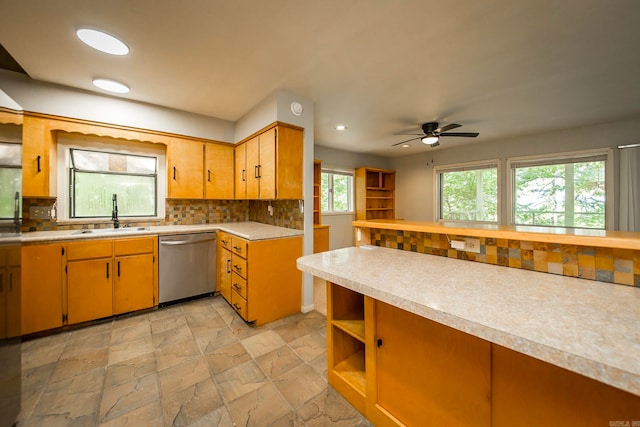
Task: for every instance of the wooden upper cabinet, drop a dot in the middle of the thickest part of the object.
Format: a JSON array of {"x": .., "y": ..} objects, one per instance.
[
  {"x": 240, "y": 171},
  {"x": 38, "y": 151},
  {"x": 273, "y": 166},
  {"x": 185, "y": 169},
  {"x": 218, "y": 171},
  {"x": 253, "y": 166}
]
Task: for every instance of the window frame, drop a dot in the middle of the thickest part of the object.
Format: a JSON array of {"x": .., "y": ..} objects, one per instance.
[
  {"x": 68, "y": 141},
  {"x": 351, "y": 189},
  {"x": 16, "y": 166},
  {"x": 457, "y": 167},
  {"x": 558, "y": 158}
]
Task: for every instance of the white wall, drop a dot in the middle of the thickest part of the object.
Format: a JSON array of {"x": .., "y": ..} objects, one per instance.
[
  {"x": 35, "y": 96},
  {"x": 414, "y": 174},
  {"x": 341, "y": 231}
]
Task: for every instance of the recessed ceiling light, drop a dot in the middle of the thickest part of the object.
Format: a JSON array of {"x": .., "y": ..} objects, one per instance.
[
  {"x": 341, "y": 127},
  {"x": 102, "y": 41},
  {"x": 111, "y": 85},
  {"x": 405, "y": 146}
]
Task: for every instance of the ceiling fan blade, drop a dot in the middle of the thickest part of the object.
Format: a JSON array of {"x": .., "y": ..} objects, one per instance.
[
  {"x": 406, "y": 133},
  {"x": 421, "y": 135},
  {"x": 447, "y": 127},
  {"x": 465, "y": 134}
]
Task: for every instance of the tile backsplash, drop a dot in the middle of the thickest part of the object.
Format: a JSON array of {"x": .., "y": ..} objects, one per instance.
[
  {"x": 621, "y": 266},
  {"x": 286, "y": 213}
]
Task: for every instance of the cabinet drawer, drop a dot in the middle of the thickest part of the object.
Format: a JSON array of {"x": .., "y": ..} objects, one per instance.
[
  {"x": 239, "y": 304},
  {"x": 239, "y": 246},
  {"x": 239, "y": 265},
  {"x": 89, "y": 249},
  {"x": 143, "y": 245},
  {"x": 239, "y": 284},
  {"x": 224, "y": 240}
]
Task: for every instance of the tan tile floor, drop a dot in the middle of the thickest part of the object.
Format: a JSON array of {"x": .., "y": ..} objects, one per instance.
[{"x": 193, "y": 364}]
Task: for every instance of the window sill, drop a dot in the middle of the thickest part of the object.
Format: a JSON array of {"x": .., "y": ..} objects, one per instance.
[{"x": 337, "y": 213}]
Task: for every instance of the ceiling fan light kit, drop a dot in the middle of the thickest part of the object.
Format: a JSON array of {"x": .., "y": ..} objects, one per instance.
[{"x": 431, "y": 133}]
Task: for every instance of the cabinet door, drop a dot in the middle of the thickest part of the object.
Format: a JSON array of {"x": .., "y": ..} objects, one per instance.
[
  {"x": 223, "y": 264},
  {"x": 133, "y": 283},
  {"x": 428, "y": 371},
  {"x": 41, "y": 300},
  {"x": 13, "y": 297},
  {"x": 185, "y": 171},
  {"x": 219, "y": 177},
  {"x": 267, "y": 169},
  {"x": 89, "y": 289},
  {"x": 37, "y": 146},
  {"x": 289, "y": 149},
  {"x": 253, "y": 168},
  {"x": 241, "y": 171}
]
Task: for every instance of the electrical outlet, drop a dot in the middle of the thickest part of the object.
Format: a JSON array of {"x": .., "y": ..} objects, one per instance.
[
  {"x": 472, "y": 245},
  {"x": 458, "y": 244},
  {"x": 39, "y": 212},
  {"x": 270, "y": 210}
]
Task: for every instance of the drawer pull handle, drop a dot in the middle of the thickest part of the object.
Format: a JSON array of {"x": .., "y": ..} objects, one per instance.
[
  {"x": 379, "y": 343},
  {"x": 237, "y": 248},
  {"x": 237, "y": 267},
  {"x": 228, "y": 263},
  {"x": 174, "y": 173},
  {"x": 107, "y": 270},
  {"x": 38, "y": 160},
  {"x": 118, "y": 268},
  {"x": 244, "y": 171},
  {"x": 238, "y": 287},
  {"x": 236, "y": 306},
  {"x": 208, "y": 175},
  {"x": 255, "y": 172}
]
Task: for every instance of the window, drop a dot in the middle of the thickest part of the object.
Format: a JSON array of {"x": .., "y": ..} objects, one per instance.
[
  {"x": 564, "y": 191},
  {"x": 337, "y": 191},
  {"x": 96, "y": 176},
  {"x": 11, "y": 179},
  {"x": 467, "y": 192}
]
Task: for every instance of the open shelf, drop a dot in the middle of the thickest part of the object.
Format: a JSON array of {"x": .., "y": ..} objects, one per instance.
[
  {"x": 375, "y": 193},
  {"x": 352, "y": 371},
  {"x": 355, "y": 328},
  {"x": 317, "y": 193}
]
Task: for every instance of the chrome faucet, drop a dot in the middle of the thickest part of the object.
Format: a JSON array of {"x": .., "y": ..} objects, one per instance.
[{"x": 114, "y": 212}]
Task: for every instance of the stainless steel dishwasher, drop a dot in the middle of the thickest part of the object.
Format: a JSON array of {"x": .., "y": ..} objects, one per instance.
[{"x": 187, "y": 266}]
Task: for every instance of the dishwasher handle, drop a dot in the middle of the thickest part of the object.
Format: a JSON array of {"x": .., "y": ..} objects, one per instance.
[{"x": 185, "y": 242}]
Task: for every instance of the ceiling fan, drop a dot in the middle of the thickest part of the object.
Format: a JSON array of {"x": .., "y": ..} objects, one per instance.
[{"x": 431, "y": 133}]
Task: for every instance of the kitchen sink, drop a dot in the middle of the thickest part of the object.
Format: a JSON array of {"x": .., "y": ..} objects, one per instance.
[{"x": 111, "y": 230}]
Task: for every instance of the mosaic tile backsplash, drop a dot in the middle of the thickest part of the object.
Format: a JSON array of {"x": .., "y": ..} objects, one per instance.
[
  {"x": 621, "y": 266},
  {"x": 286, "y": 213}
]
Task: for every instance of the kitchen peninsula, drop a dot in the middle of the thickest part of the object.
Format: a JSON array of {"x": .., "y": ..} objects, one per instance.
[{"x": 416, "y": 337}]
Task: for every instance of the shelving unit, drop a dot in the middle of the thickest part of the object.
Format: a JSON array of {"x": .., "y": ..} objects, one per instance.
[
  {"x": 375, "y": 193},
  {"x": 346, "y": 349},
  {"x": 317, "y": 177}
]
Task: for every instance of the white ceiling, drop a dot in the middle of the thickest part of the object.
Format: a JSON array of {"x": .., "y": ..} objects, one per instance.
[{"x": 499, "y": 67}]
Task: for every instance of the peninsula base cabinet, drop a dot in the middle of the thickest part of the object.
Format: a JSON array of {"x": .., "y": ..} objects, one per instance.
[
  {"x": 75, "y": 282},
  {"x": 400, "y": 369},
  {"x": 259, "y": 279}
]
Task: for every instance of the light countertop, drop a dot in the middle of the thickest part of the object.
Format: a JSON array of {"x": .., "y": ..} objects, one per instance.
[
  {"x": 247, "y": 230},
  {"x": 588, "y": 327}
]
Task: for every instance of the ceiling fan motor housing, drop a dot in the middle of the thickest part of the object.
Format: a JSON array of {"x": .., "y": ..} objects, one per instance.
[{"x": 429, "y": 127}]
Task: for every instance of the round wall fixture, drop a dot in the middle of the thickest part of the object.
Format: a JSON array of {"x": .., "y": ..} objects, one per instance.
[{"x": 296, "y": 108}]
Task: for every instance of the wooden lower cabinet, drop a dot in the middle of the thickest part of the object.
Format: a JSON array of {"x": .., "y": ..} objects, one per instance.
[
  {"x": 429, "y": 374},
  {"x": 530, "y": 392},
  {"x": 10, "y": 291},
  {"x": 259, "y": 278},
  {"x": 80, "y": 281},
  {"x": 400, "y": 369},
  {"x": 135, "y": 279},
  {"x": 223, "y": 265},
  {"x": 89, "y": 289},
  {"x": 42, "y": 287}
]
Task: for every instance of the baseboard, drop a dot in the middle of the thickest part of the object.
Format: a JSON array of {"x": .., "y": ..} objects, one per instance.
[{"x": 307, "y": 308}]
